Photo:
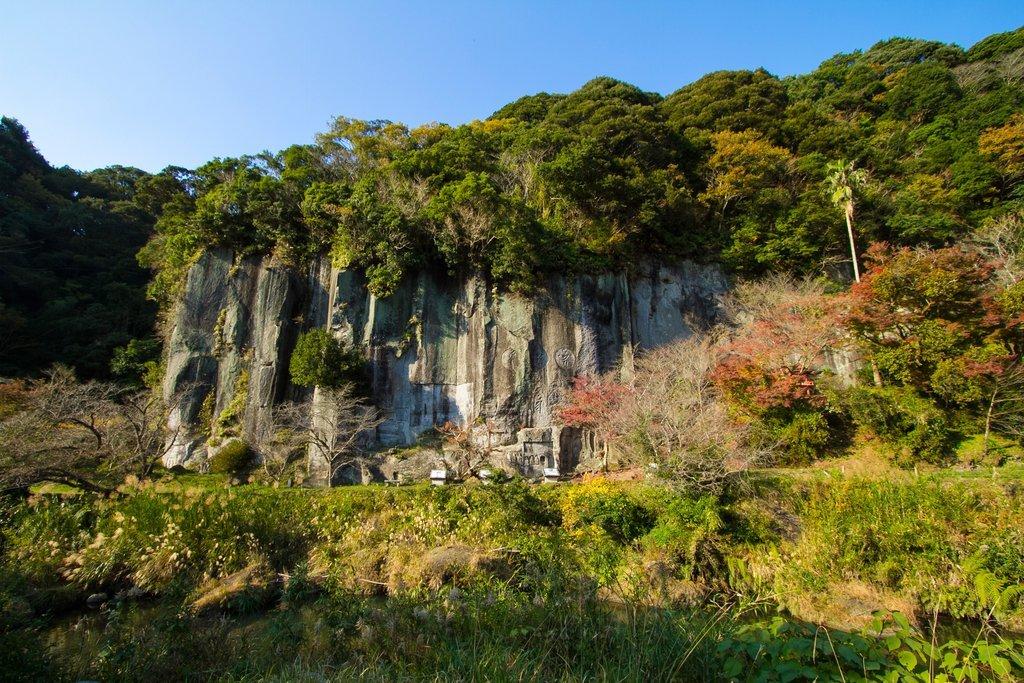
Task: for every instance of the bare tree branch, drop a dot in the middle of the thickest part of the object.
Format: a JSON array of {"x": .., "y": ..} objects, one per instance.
[
  {"x": 674, "y": 421},
  {"x": 331, "y": 428},
  {"x": 85, "y": 434}
]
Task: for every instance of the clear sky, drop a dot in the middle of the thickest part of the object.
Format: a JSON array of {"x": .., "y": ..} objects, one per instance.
[{"x": 150, "y": 83}]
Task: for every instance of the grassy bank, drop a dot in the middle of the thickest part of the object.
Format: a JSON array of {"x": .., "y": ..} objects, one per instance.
[{"x": 591, "y": 581}]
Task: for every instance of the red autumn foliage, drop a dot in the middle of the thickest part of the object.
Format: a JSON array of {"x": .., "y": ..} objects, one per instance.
[
  {"x": 992, "y": 367},
  {"x": 591, "y": 402},
  {"x": 902, "y": 288},
  {"x": 917, "y": 310},
  {"x": 773, "y": 360},
  {"x": 749, "y": 383}
]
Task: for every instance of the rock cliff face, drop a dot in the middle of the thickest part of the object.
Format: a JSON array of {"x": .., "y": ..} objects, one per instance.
[{"x": 439, "y": 350}]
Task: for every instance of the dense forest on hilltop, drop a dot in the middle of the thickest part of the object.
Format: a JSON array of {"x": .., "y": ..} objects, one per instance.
[
  {"x": 71, "y": 290},
  {"x": 733, "y": 168}
]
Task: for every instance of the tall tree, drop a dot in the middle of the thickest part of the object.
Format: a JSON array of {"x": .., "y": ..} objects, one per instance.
[{"x": 844, "y": 180}]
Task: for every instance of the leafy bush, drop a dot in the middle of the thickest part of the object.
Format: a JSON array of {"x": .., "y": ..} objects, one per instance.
[
  {"x": 609, "y": 508},
  {"x": 805, "y": 434},
  {"x": 889, "y": 650},
  {"x": 1002, "y": 553},
  {"x": 925, "y": 540},
  {"x": 687, "y": 532},
  {"x": 321, "y": 360},
  {"x": 916, "y": 429},
  {"x": 979, "y": 452},
  {"x": 138, "y": 363},
  {"x": 231, "y": 458}
]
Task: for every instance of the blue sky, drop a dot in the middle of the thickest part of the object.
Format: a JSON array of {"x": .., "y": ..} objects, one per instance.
[{"x": 152, "y": 83}]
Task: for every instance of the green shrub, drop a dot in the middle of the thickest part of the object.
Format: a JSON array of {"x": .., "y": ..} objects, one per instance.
[
  {"x": 803, "y": 435},
  {"x": 927, "y": 539},
  {"x": 1002, "y": 553},
  {"x": 785, "y": 650},
  {"x": 806, "y": 437},
  {"x": 687, "y": 532},
  {"x": 321, "y": 360},
  {"x": 916, "y": 428},
  {"x": 866, "y": 523},
  {"x": 997, "y": 450},
  {"x": 138, "y": 363},
  {"x": 231, "y": 458},
  {"x": 611, "y": 508}
]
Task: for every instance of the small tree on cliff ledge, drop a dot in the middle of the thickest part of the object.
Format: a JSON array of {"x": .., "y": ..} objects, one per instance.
[{"x": 320, "y": 360}]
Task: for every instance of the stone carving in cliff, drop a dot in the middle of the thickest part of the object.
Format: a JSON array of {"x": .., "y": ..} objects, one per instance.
[{"x": 440, "y": 349}]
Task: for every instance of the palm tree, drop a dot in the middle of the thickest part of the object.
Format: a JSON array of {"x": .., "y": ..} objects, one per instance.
[{"x": 843, "y": 180}]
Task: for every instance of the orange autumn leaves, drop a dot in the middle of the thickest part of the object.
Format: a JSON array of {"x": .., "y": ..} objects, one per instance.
[{"x": 932, "y": 319}]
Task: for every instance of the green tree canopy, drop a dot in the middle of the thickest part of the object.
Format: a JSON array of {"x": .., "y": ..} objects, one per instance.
[
  {"x": 729, "y": 168},
  {"x": 70, "y": 288}
]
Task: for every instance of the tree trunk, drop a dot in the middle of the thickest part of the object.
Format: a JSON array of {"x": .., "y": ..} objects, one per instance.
[
  {"x": 876, "y": 375},
  {"x": 853, "y": 245},
  {"x": 988, "y": 421}
]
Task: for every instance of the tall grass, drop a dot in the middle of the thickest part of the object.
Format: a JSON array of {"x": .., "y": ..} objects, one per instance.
[
  {"x": 924, "y": 540},
  {"x": 597, "y": 581}
]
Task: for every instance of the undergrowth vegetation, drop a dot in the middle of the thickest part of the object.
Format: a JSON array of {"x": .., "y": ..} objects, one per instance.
[{"x": 598, "y": 580}]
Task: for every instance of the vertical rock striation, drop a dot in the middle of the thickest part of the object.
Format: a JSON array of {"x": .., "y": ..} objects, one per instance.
[{"x": 440, "y": 349}]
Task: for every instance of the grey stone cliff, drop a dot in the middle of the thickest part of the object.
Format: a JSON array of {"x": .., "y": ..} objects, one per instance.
[{"x": 440, "y": 350}]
